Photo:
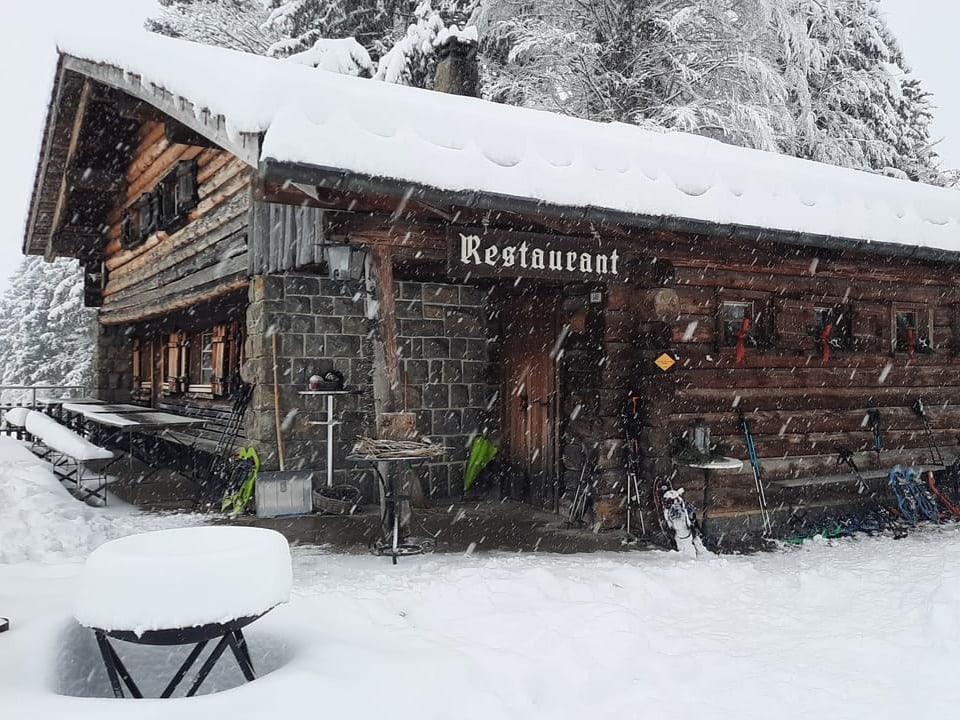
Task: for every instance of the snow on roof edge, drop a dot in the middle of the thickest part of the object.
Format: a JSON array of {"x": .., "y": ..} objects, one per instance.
[
  {"x": 465, "y": 144},
  {"x": 337, "y": 179}
]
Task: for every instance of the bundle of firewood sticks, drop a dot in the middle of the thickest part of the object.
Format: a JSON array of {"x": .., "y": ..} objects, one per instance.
[{"x": 373, "y": 449}]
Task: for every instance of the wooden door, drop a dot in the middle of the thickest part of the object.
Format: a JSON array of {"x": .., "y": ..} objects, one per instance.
[{"x": 530, "y": 400}]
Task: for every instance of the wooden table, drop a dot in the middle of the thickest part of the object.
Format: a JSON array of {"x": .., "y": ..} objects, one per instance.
[
  {"x": 145, "y": 420},
  {"x": 87, "y": 408}
]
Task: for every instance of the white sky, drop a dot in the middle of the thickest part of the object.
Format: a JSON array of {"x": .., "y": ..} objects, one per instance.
[
  {"x": 925, "y": 28},
  {"x": 27, "y": 62}
]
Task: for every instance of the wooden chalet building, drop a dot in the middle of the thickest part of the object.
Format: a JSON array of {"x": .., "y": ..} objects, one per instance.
[{"x": 494, "y": 270}]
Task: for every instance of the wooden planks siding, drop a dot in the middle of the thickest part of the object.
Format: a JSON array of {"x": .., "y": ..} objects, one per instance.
[
  {"x": 285, "y": 237},
  {"x": 801, "y": 408},
  {"x": 204, "y": 259}
]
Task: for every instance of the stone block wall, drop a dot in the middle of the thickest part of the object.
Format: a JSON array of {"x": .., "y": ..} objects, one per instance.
[
  {"x": 446, "y": 371},
  {"x": 321, "y": 324},
  {"x": 112, "y": 364}
]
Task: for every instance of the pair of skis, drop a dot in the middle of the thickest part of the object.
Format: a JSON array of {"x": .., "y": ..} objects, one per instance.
[{"x": 757, "y": 473}]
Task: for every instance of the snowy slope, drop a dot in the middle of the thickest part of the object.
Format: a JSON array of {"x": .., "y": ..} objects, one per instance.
[
  {"x": 857, "y": 628},
  {"x": 455, "y": 143},
  {"x": 40, "y": 520}
]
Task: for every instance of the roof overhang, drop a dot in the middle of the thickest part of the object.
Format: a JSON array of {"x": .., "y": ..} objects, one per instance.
[
  {"x": 46, "y": 232},
  {"x": 350, "y": 182}
]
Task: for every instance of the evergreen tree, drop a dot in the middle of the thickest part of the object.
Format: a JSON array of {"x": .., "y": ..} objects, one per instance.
[
  {"x": 680, "y": 64},
  {"x": 854, "y": 102},
  {"x": 819, "y": 79},
  {"x": 412, "y": 58},
  {"x": 47, "y": 332},
  {"x": 235, "y": 24},
  {"x": 300, "y": 23}
]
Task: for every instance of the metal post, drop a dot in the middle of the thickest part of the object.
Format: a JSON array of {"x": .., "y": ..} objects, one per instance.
[{"x": 329, "y": 440}]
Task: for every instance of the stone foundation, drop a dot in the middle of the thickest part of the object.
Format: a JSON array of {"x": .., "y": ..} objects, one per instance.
[
  {"x": 111, "y": 367},
  {"x": 320, "y": 325}
]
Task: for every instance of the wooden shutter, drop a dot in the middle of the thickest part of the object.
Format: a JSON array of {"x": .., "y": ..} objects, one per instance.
[
  {"x": 187, "y": 194},
  {"x": 174, "y": 362},
  {"x": 137, "y": 364},
  {"x": 221, "y": 356}
]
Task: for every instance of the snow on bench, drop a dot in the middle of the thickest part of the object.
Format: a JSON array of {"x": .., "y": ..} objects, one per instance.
[{"x": 73, "y": 450}]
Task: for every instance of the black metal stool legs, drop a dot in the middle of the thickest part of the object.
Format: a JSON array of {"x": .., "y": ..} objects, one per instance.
[{"x": 115, "y": 668}]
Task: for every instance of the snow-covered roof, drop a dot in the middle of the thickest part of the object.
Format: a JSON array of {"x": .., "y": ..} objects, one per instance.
[{"x": 362, "y": 127}]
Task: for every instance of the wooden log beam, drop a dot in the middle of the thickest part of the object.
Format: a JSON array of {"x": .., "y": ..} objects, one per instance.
[
  {"x": 58, "y": 214},
  {"x": 95, "y": 180},
  {"x": 389, "y": 367},
  {"x": 180, "y": 134}
]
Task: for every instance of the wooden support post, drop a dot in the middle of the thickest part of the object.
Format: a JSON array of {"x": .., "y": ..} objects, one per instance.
[{"x": 389, "y": 368}]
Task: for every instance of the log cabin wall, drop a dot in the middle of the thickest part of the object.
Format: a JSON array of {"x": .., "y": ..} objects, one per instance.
[
  {"x": 185, "y": 280},
  {"x": 204, "y": 258},
  {"x": 803, "y": 405}
]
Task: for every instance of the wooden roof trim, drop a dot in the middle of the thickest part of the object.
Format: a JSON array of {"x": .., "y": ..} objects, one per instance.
[
  {"x": 57, "y": 112},
  {"x": 245, "y": 146},
  {"x": 342, "y": 181},
  {"x": 79, "y": 114}
]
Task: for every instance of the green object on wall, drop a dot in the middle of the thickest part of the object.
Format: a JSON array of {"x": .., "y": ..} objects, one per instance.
[
  {"x": 236, "y": 502},
  {"x": 482, "y": 452}
]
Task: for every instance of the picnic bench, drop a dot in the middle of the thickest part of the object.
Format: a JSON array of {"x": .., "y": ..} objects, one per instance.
[{"x": 76, "y": 461}]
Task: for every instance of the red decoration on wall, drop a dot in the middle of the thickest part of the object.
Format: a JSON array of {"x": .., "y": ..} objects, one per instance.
[
  {"x": 742, "y": 341},
  {"x": 825, "y": 341}
]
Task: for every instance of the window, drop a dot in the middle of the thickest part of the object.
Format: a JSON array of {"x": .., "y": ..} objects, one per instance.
[
  {"x": 163, "y": 208},
  {"x": 911, "y": 330},
  {"x": 732, "y": 315},
  {"x": 202, "y": 362},
  {"x": 746, "y": 321},
  {"x": 834, "y": 325}
]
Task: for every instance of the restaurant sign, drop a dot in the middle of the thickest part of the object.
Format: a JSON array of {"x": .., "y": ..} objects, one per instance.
[{"x": 475, "y": 253}]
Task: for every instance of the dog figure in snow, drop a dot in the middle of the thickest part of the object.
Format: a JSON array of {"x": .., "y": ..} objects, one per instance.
[{"x": 679, "y": 518}]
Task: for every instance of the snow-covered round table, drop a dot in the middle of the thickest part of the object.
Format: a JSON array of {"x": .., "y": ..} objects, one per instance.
[{"x": 182, "y": 586}]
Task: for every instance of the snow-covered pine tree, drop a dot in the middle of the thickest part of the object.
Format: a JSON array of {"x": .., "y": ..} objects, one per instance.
[
  {"x": 46, "y": 330},
  {"x": 412, "y": 58},
  {"x": 854, "y": 102},
  {"x": 300, "y": 23},
  {"x": 235, "y": 24},
  {"x": 401, "y": 33},
  {"x": 699, "y": 66}
]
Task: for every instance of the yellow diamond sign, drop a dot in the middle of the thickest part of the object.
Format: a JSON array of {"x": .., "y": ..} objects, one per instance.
[{"x": 665, "y": 361}]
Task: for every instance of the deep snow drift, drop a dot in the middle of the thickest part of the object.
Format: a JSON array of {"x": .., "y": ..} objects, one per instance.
[{"x": 856, "y": 628}]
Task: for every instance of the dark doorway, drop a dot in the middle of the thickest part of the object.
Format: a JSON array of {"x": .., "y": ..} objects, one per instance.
[{"x": 529, "y": 391}]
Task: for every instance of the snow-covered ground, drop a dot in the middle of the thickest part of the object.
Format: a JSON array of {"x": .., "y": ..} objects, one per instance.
[{"x": 856, "y": 628}]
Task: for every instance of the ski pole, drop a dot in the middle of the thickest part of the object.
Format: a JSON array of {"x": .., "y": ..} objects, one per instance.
[
  {"x": 757, "y": 473},
  {"x": 845, "y": 457},
  {"x": 921, "y": 412},
  {"x": 873, "y": 417}
]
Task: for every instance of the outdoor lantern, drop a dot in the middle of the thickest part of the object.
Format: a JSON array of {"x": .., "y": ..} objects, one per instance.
[
  {"x": 700, "y": 437},
  {"x": 344, "y": 261}
]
